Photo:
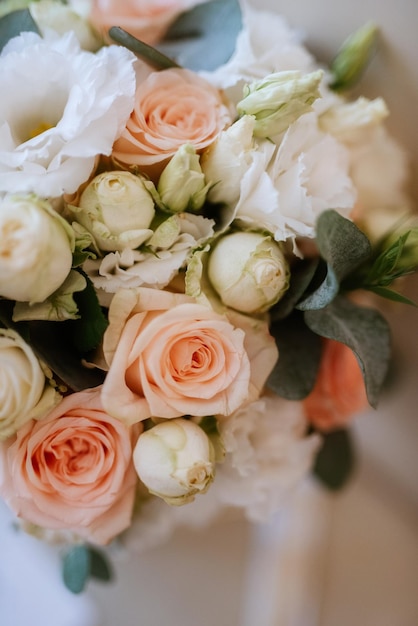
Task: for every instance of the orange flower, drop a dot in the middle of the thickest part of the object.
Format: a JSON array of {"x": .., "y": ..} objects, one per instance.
[{"x": 339, "y": 391}]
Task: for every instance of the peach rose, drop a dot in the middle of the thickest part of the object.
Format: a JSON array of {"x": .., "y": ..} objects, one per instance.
[
  {"x": 147, "y": 20},
  {"x": 170, "y": 356},
  {"x": 72, "y": 470},
  {"x": 339, "y": 391},
  {"x": 172, "y": 107}
]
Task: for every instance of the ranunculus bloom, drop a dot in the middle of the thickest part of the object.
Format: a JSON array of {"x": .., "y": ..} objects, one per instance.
[
  {"x": 72, "y": 470},
  {"x": 172, "y": 107},
  {"x": 146, "y": 20},
  {"x": 170, "y": 356},
  {"x": 60, "y": 108},
  {"x": 339, "y": 391},
  {"x": 24, "y": 394}
]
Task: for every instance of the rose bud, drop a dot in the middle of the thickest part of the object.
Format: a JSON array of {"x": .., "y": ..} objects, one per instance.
[
  {"x": 182, "y": 183},
  {"x": 248, "y": 271},
  {"x": 175, "y": 460},
  {"x": 117, "y": 209}
]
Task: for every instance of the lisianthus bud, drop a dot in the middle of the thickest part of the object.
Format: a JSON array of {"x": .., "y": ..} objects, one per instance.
[
  {"x": 182, "y": 183},
  {"x": 175, "y": 460},
  {"x": 36, "y": 246},
  {"x": 248, "y": 271},
  {"x": 50, "y": 14},
  {"x": 117, "y": 209},
  {"x": 353, "y": 57},
  {"x": 279, "y": 99}
]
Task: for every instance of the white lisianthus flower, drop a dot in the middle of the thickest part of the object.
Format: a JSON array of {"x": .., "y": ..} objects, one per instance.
[
  {"x": 24, "y": 391},
  {"x": 248, "y": 271},
  {"x": 165, "y": 253},
  {"x": 117, "y": 209},
  {"x": 267, "y": 454},
  {"x": 60, "y": 108},
  {"x": 309, "y": 172},
  {"x": 175, "y": 460},
  {"x": 36, "y": 246}
]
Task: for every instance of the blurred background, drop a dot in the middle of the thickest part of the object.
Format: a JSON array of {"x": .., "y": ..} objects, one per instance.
[{"x": 328, "y": 559}]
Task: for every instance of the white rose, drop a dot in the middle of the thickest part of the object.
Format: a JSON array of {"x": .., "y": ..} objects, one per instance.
[
  {"x": 175, "y": 460},
  {"x": 117, "y": 209},
  {"x": 248, "y": 271},
  {"x": 36, "y": 247},
  {"x": 24, "y": 394},
  {"x": 60, "y": 108}
]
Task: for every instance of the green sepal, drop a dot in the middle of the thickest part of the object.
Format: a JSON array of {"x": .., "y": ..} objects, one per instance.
[{"x": 335, "y": 460}]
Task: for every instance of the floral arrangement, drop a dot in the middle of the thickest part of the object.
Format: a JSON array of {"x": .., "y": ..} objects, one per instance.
[{"x": 189, "y": 270}]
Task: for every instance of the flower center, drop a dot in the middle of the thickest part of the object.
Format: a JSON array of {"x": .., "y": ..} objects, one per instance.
[{"x": 38, "y": 130}]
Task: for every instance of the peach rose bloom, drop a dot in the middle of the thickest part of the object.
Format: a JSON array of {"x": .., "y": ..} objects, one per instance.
[
  {"x": 72, "y": 470},
  {"x": 170, "y": 356},
  {"x": 172, "y": 107},
  {"x": 147, "y": 20},
  {"x": 339, "y": 391}
]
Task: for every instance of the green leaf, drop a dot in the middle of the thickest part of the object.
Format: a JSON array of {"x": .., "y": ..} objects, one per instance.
[
  {"x": 344, "y": 247},
  {"x": 389, "y": 294},
  {"x": 204, "y": 38},
  {"x": 353, "y": 57},
  {"x": 294, "y": 374},
  {"x": 301, "y": 277},
  {"x": 51, "y": 342},
  {"x": 88, "y": 330},
  {"x": 99, "y": 565},
  {"x": 150, "y": 55},
  {"x": 76, "y": 568},
  {"x": 365, "y": 331},
  {"x": 12, "y": 24},
  {"x": 335, "y": 460}
]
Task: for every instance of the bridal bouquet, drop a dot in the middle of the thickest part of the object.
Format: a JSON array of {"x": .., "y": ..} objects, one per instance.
[{"x": 189, "y": 270}]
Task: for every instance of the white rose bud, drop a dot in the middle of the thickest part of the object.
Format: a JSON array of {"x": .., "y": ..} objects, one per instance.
[
  {"x": 117, "y": 209},
  {"x": 182, "y": 183},
  {"x": 226, "y": 161},
  {"x": 24, "y": 394},
  {"x": 50, "y": 14},
  {"x": 248, "y": 271},
  {"x": 175, "y": 460},
  {"x": 279, "y": 99},
  {"x": 36, "y": 246}
]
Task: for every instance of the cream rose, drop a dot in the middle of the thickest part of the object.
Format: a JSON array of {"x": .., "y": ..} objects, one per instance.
[
  {"x": 24, "y": 392},
  {"x": 72, "y": 470},
  {"x": 170, "y": 356},
  {"x": 36, "y": 246},
  {"x": 172, "y": 107}
]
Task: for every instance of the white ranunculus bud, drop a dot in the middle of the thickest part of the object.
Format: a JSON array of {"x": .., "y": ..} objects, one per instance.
[
  {"x": 279, "y": 99},
  {"x": 36, "y": 246},
  {"x": 117, "y": 209},
  {"x": 175, "y": 460},
  {"x": 248, "y": 271},
  {"x": 24, "y": 393},
  {"x": 50, "y": 14},
  {"x": 182, "y": 183}
]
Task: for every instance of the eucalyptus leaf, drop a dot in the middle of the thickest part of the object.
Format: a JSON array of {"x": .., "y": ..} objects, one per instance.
[
  {"x": 150, "y": 55},
  {"x": 364, "y": 330},
  {"x": 344, "y": 247},
  {"x": 204, "y": 38},
  {"x": 300, "y": 278},
  {"x": 294, "y": 374},
  {"x": 335, "y": 460},
  {"x": 14, "y": 23},
  {"x": 76, "y": 568},
  {"x": 88, "y": 330},
  {"x": 99, "y": 565}
]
